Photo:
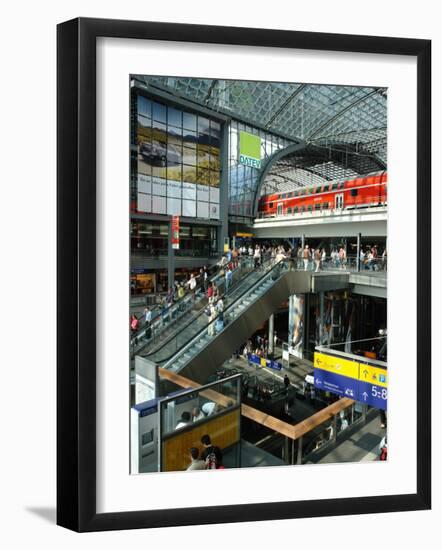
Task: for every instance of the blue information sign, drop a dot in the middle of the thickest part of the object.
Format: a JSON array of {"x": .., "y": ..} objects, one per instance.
[
  {"x": 373, "y": 395},
  {"x": 261, "y": 362},
  {"x": 370, "y": 394},
  {"x": 335, "y": 383}
]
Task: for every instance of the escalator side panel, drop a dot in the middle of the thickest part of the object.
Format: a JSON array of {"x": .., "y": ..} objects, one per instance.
[{"x": 208, "y": 360}]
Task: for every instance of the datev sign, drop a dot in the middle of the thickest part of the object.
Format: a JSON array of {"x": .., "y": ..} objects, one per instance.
[
  {"x": 249, "y": 150},
  {"x": 358, "y": 381}
]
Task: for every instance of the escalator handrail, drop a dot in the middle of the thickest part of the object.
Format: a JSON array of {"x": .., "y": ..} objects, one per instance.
[
  {"x": 235, "y": 286},
  {"x": 241, "y": 297}
]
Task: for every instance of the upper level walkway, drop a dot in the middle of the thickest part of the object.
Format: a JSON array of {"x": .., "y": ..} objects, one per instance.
[{"x": 325, "y": 223}]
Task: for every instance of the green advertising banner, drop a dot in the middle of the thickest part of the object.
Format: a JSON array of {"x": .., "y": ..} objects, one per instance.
[{"x": 250, "y": 150}]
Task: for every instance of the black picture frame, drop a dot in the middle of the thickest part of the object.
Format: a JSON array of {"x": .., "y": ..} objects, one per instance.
[{"x": 76, "y": 274}]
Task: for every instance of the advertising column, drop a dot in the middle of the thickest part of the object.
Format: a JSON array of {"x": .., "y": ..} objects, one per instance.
[{"x": 296, "y": 325}]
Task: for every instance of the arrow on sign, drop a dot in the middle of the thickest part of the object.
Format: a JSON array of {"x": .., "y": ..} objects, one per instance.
[
  {"x": 365, "y": 395},
  {"x": 365, "y": 373}
]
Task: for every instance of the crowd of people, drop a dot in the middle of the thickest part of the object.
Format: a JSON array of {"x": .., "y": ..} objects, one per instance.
[
  {"x": 371, "y": 260},
  {"x": 305, "y": 258}
]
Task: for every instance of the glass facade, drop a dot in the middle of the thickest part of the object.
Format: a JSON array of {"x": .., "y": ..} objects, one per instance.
[
  {"x": 177, "y": 161},
  {"x": 243, "y": 180}
]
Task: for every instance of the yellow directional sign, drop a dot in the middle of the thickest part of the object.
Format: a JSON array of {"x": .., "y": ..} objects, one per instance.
[
  {"x": 337, "y": 365},
  {"x": 373, "y": 375},
  {"x": 351, "y": 369}
]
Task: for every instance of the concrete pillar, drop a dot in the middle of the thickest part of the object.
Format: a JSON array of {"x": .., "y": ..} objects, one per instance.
[
  {"x": 303, "y": 241},
  {"x": 299, "y": 457},
  {"x": 358, "y": 253},
  {"x": 286, "y": 450},
  {"x": 271, "y": 335}
]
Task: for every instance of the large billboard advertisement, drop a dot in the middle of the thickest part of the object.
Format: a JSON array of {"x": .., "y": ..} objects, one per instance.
[
  {"x": 249, "y": 150},
  {"x": 178, "y": 161}
]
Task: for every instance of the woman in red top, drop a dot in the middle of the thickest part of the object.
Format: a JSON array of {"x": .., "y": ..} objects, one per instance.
[
  {"x": 210, "y": 292},
  {"x": 133, "y": 322}
]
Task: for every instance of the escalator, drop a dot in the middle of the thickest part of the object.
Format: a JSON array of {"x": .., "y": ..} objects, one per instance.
[
  {"x": 176, "y": 317},
  {"x": 242, "y": 280},
  {"x": 199, "y": 350}
]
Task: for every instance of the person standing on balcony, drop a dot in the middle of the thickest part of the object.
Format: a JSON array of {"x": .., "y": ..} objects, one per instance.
[
  {"x": 317, "y": 257},
  {"x": 342, "y": 257},
  {"x": 299, "y": 256},
  {"x": 257, "y": 257},
  {"x": 306, "y": 257}
]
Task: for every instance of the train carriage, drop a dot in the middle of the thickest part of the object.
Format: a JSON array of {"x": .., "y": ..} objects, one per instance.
[{"x": 363, "y": 192}]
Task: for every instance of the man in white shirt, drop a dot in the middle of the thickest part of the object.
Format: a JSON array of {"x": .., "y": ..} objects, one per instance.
[
  {"x": 185, "y": 420},
  {"x": 209, "y": 408},
  {"x": 196, "y": 462},
  {"x": 148, "y": 315}
]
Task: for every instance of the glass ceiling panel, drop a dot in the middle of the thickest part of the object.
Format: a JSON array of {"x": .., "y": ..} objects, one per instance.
[{"x": 297, "y": 111}]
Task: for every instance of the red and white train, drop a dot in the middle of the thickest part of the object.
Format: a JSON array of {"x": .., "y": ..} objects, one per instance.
[{"x": 364, "y": 192}]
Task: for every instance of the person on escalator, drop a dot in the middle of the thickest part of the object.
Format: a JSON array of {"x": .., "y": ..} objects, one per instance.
[
  {"x": 134, "y": 323},
  {"x": 192, "y": 285},
  {"x": 212, "y": 316},
  {"x": 219, "y": 323},
  {"x": 209, "y": 293},
  {"x": 228, "y": 279},
  {"x": 215, "y": 292},
  {"x": 220, "y": 305}
]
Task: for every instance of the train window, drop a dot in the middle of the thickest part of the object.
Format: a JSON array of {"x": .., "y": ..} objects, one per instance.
[
  {"x": 290, "y": 194},
  {"x": 289, "y": 210},
  {"x": 325, "y": 205},
  {"x": 354, "y": 193},
  {"x": 334, "y": 186},
  {"x": 310, "y": 208},
  {"x": 302, "y": 208},
  {"x": 311, "y": 190},
  {"x": 318, "y": 189},
  {"x": 295, "y": 210},
  {"x": 318, "y": 206},
  {"x": 341, "y": 185},
  {"x": 270, "y": 204}
]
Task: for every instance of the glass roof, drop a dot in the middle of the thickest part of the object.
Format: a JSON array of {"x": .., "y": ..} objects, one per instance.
[
  {"x": 316, "y": 113},
  {"x": 343, "y": 129}
]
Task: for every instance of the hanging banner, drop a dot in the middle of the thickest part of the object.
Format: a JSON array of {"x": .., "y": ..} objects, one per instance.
[
  {"x": 175, "y": 232},
  {"x": 296, "y": 325}
]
